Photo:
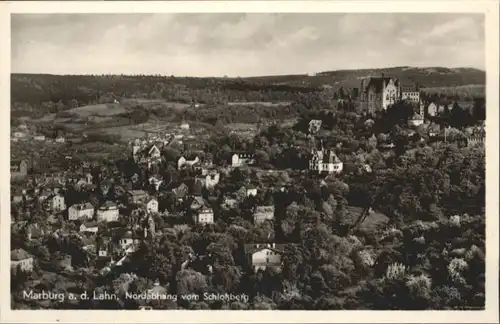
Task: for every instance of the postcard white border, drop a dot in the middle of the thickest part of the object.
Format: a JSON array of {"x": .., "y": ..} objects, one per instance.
[{"x": 490, "y": 315}]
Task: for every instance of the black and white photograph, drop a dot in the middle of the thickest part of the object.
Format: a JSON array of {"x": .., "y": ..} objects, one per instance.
[{"x": 279, "y": 161}]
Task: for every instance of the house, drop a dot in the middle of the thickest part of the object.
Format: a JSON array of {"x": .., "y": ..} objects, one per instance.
[
  {"x": 136, "y": 196},
  {"x": 378, "y": 93},
  {"x": 251, "y": 190},
  {"x": 263, "y": 213},
  {"x": 410, "y": 92},
  {"x": 154, "y": 152},
  {"x": 325, "y": 161},
  {"x": 18, "y": 169},
  {"x": 152, "y": 205},
  {"x": 204, "y": 215},
  {"x": 156, "y": 181},
  {"x": 197, "y": 203},
  {"x": 315, "y": 126},
  {"x": 181, "y": 191},
  {"x": 432, "y": 109},
  {"x": 60, "y": 139},
  {"x": 182, "y": 162},
  {"x": 128, "y": 240},
  {"x": 416, "y": 120},
  {"x": 104, "y": 246},
  {"x": 20, "y": 259},
  {"x": 241, "y": 159},
  {"x": 210, "y": 180},
  {"x": 56, "y": 203},
  {"x": 146, "y": 152},
  {"x": 185, "y": 126},
  {"x": 89, "y": 227},
  {"x": 39, "y": 138},
  {"x": 108, "y": 212},
  {"x": 79, "y": 211},
  {"x": 262, "y": 256}
]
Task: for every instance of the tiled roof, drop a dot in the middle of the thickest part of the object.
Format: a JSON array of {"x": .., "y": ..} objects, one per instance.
[
  {"x": 19, "y": 254},
  {"x": 83, "y": 206},
  {"x": 137, "y": 192},
  {"x": 90, "y": 224},
  {"x": 264, "y": 209},
  {"x": 252, "y": 248},
  {"x": 108, "y": 204},
  {"x": 379, "y": 82}
]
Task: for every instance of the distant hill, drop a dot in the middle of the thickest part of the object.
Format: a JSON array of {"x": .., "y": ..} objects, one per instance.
[
  {"x": 425, "y": 77},
  {"x": 37, "y": 88}
]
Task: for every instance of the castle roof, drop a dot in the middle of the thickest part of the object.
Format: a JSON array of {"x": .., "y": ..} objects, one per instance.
[{"x": 379, "y": 82}]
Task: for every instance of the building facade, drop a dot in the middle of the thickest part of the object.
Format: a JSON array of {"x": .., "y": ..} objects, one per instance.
[
  {"x": 242, "y": 159},
  {"x": 152, "y": 205},
  {"x": 81, "y": 211},
  {"x": 262, "y": 256},
  {"x": 263, "y": 213},
  {"x": 57, "y": 203},
  {"x": 204, "y": 215},
  {"x": 378, "y": 93},
  {"x": 325, "y": 161},
  {"x": 108, "y": 212},
  {"x": 410, "y": 92},
  {"x": 20, "y": 259}
]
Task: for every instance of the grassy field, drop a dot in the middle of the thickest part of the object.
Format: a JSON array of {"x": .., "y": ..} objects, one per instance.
[
  {"x": 261, "y": 103},
  {"x": 371, "y": 222},
  {"x": 127, "y": 133},
  {"x": 130, "y": 132},
  {"x": 99, "y": 110},
  {"x": 155, "y": 103}
]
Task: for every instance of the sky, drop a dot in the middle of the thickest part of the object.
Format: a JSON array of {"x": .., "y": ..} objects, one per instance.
[{"x": 242, "y": 45}]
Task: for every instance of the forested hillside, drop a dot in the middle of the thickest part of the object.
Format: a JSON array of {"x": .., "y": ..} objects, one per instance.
[{"x": 70, "y": 90}]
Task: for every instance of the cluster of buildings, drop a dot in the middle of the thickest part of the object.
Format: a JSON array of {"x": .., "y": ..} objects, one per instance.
[
  {"x": 378, "y": 93},
  {"x": 95, "y": 220},
  {"x": 322, "y": 160},
  {"x": 148, "y": 150},
  {"x": 23, "y": 133}
]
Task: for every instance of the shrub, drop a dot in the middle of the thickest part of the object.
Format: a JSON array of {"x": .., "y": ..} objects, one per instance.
[
  {"x": 419, "y": 286},
  {"x": 456, "y": 268}
]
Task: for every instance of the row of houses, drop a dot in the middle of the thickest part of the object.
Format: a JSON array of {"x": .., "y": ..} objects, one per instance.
[
  {"x": 259, "y": 256},
  {"x": 21, "y": 135}
]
